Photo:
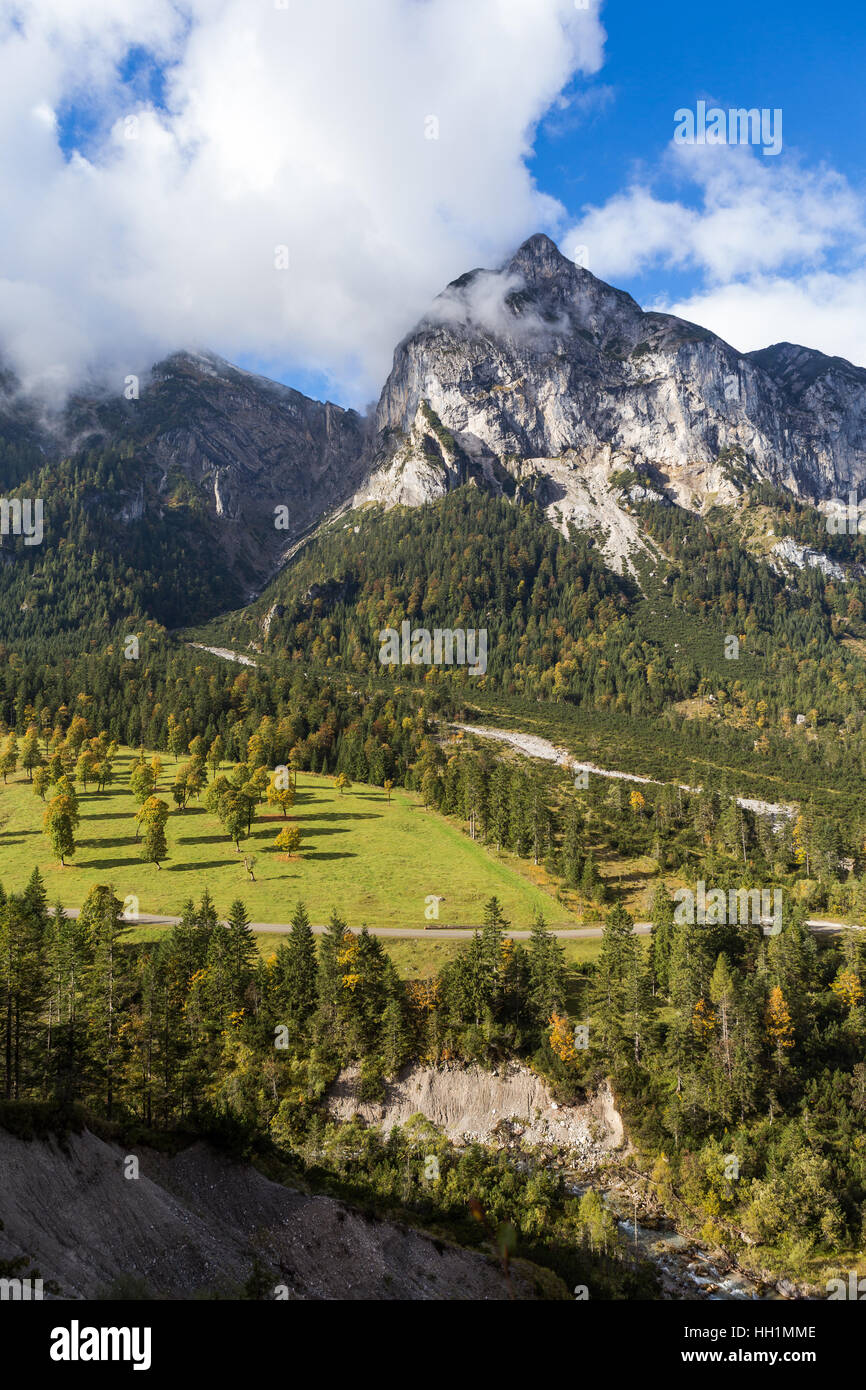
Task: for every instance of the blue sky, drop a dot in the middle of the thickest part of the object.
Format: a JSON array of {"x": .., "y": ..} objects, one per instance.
[
  {"x": 808, "y": 59},
  {"x": 254, "y": 129}
]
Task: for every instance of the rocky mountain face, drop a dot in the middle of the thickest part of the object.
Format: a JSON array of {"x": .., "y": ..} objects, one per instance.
[
  {"x": 260, "y": 462},
  {"x": 536, "y": 380},
  {"x": 540, "y": 379}
]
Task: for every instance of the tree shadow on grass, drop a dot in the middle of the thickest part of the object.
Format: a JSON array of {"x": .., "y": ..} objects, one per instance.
[
  {"x": 112, "y": 815},
  {"x": 107, "y": 864},
  {"x": 203, "y": 864},
  {"x": 307, "y": 831},
  {"x": 107, "y": 844},
  {"x": 347, "y": 815},
  {"x": 329, "y": 854},
  {"x": 201, "y": 839}
]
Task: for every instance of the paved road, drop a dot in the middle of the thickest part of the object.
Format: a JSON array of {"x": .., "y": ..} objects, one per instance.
[{"x": 449, "y": 933}]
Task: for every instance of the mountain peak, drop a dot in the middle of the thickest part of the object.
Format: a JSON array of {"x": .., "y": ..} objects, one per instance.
[{"x": 539, "y": 258}]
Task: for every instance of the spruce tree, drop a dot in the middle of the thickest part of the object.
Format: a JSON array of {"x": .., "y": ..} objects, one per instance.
[{"x": 297, "y": 971}]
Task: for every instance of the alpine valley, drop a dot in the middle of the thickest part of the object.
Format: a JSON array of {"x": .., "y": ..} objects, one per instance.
[{"x": 251, "y": 828}]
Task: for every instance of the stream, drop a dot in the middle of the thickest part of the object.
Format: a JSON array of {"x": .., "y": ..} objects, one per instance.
[{"x": 687, "y": 1269}]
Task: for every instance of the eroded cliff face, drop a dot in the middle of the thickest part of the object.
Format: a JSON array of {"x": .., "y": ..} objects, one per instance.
[
  {"x": 245, "y": 445},
  {"x": 226, "y": 446},
  {"x": 538, "y": 378},
  {"x": 474, "y": 1103}
]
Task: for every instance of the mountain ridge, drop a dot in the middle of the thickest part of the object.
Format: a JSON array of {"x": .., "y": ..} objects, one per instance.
[
  {"x": 535, "y": 381},
  {"x": 540, "y": 362}
]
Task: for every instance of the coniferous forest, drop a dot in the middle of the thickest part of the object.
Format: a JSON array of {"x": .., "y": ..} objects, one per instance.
[{"x": 715, "y": 1041}]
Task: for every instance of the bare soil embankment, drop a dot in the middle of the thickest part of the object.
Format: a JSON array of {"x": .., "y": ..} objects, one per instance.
[
  {"x": 471, "y": 1103},
  {"x": 194, "y": 1222}
]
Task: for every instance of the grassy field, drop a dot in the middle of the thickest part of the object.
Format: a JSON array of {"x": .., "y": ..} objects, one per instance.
[{"x": 376, "y": 863}]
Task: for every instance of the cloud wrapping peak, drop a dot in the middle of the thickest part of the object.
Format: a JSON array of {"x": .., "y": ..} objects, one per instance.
[{"x": 313, "y": 176}]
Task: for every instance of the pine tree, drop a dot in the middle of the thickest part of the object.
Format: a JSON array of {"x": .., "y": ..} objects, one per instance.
[
  {"x": 491, "y": 955},
  {"x": 722, "y": 993},
  {"x": 547, "y": 972},
  {"x": 243, "y": 952},
  {"x": 499, "y": 805},
  {"x": 540, "y": 821},
  {"x": 69, "y": 955},
  {"x": 591, "y": 885},
  {"x": 614, "y": 972},
  {"x": 661, "y": 938},
  {"x": 106, "y": 988},
  {"x": 330, "y": 976},
  {"x": 687, "y": 986},
  {"x": 297, "y": 971},
  {"x": 24, "y": 986},
  {"x": 572, "y": 858}
]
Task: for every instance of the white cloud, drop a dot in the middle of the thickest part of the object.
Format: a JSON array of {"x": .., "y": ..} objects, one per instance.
[
  {"x": 776, "y": 248},
  {"x": 823, "y": 311},
  {"x": 481, "y": 305},
  {"x": 302, "y": 127}
]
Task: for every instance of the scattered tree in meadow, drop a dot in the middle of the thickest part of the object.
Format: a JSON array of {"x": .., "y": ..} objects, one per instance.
[
  {"x": 142, "y": 780},
  {"x": 60, "y": 822},
  {"x": 87, "y": 767},
  {"x": 104, "y": 773},
  {"x": 216, "y": 754},
  {"x": 31, "y": 751},
  {"x": 9, "y": 756},
  {"x": 152, "y": 817},
  {"x": 280, "y": 791},
  {"x": 176, "y": 737},
  {"x": 288, "y": 842},
  {"x": 189, "y": 781},
  {"x": 197, "y": 749},
  {"x": 41, "y": 781}
]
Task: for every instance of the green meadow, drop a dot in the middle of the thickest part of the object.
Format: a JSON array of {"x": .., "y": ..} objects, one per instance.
[{"x": 376, "y": 863}]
